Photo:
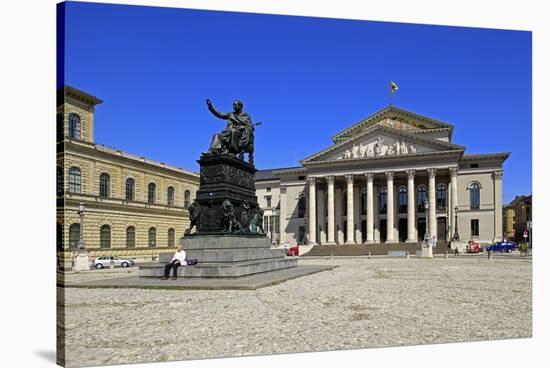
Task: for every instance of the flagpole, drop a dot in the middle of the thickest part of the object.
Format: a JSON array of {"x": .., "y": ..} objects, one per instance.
[{"x": 390, "y": 92}]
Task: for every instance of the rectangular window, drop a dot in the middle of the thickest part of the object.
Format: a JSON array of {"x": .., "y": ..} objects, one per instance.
[
  {"x": 268, "y": 189},
  {"x": 268, "y": 201},
  {"x": 474, "y": 166},
  {"x": 474, "y": 227},
  {"x": 301, "y": 234}
]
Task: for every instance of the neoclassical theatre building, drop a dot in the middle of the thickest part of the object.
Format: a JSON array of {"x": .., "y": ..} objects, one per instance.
[
  {"x": 386, "y": 180},
  {"x": 133, "y": 206}
]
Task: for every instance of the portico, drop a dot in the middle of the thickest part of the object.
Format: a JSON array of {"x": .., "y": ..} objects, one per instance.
[{"x": 371, "y": 185}]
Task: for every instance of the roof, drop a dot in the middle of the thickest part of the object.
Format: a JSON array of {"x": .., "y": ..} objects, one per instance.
[
  {"x": 485, "y": 156},
  {"x": 68, "y": 91},
  {"x": 519, "y": 198},
  {"x": 391, "y": 111},
  {"x": 274, "y": 174}
]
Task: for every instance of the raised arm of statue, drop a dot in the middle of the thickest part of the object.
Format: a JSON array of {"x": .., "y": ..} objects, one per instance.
[{"x": 216, "y": 112}]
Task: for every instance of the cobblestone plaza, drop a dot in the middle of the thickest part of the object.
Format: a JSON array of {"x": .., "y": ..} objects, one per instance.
[{"x": 363, "y": 303}]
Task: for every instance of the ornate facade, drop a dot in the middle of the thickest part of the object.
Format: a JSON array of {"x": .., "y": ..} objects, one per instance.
[
  {"x": 134, "y": 207},
  {"x": 388, "y": 179}
]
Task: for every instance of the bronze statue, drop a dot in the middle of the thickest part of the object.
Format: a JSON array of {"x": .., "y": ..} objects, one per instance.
[
  {"x": 238, "y": 136},
  {"x": 257, "y": 223},
  {"x": 194, "y": 215},
  {"x": 228, "y": 216}
]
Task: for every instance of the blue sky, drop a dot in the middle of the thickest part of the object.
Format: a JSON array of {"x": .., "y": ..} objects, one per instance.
[{"x": 304, "y": 78}]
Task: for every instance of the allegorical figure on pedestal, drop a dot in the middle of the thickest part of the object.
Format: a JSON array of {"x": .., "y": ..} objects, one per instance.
[{"x": 238, "y": 136}]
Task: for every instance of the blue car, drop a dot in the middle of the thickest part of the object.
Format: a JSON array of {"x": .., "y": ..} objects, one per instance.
[{"x": 503, "y": 246}]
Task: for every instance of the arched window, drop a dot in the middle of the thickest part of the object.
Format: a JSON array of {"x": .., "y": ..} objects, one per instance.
[
  {"x": 151, "y": 193},
  {"x": 170, "y": 196},
  {"x": 364, "y": 202},
  {"x": 420, "y": 198},
  {"x": 105, "y": 237},
  {"x": 474, "y": 196},
  {"x": 171, "y": 237},
  {"x": 301, "y": 205},
  {"x": 402, "y": 199},
  {"x": 383, "y": 200},
  {"x": 59, "y": 181},
  {"x": 74, "y": 126},
  {"x": 345, "y": 203},
  {"x": 441, "y": 196},
  {"x": 74, "y": 180},
  {"x": 130, "y": 189},
  {"x": 186, "y": 199},
  {"x": 152, "y": 237},
  {"x": 130, "y": 237},
  {"x": 74, "y": 234},
  {"x": 104, "y": 185}
]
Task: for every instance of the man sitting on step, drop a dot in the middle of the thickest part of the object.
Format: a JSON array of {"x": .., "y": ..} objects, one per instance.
[{"x": 177, "y": 260}]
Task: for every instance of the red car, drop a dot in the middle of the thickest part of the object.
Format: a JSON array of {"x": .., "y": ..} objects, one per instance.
[
  {"x": 293, "y": 251},
  {"x": 472, "y": 247}
]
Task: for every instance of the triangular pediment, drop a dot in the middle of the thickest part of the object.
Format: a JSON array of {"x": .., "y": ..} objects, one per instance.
[
  {"x": 397, "y": 118},
  {"x": 381, "y": 141}
]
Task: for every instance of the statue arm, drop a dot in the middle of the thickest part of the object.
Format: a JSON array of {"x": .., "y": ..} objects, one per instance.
[{"x": 216, "y": 112}]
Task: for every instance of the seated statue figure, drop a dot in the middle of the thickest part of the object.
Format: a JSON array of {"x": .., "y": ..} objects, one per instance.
[{"x": 238, "y": 136}]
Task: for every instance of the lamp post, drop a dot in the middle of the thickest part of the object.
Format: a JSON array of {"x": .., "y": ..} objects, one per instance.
[
  {"x": 81, "y": 246},
  {"x": 81, "y": 262},
  {"x": 455, "y": 236},
  {"x": 426, "y": 208}
]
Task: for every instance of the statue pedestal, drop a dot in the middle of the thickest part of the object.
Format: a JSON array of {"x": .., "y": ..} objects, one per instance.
[{"x": 81, "y": 262}]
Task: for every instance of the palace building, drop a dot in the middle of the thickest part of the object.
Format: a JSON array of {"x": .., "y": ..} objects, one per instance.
[
  {"x": 386, "y": 181},
  {"x": 133, "y": 206}
]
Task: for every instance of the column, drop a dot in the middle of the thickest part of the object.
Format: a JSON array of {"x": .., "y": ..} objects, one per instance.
[
  {"x": 312, "y": 211},
  {"x": 497, "y": 182},
  {"x": 282, "y": 215},
  {"x": 370, "y": 208},
  {"x": 454, "y": 197},
  {"x": 411, "y": 226},
  {"x": 390, "y": 211},
  {"x": 350, "y": 236},
  {"x": 321, "y": 217},
  {"x": 357, "y": 215},
  {"x": 330, "y": 208},
  {"x": 431, "y": 199}
]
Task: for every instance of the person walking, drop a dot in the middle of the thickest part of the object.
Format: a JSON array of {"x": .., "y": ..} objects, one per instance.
[{"x": 177, "y": 260}]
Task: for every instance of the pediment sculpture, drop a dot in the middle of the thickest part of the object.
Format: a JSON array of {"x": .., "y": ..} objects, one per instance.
[{"x": 379, "y": 148}]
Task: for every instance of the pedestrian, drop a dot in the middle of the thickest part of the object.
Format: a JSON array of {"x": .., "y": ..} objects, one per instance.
[
  {"x": 177, "y": 260},
  {"x": 456, "y": 250}
]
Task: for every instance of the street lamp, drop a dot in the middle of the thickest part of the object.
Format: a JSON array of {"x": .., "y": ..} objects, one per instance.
[
  {"x": 455, "y": 236},
  {"x": 427, "y": 251},
  {"x": 81, "y": 246}
]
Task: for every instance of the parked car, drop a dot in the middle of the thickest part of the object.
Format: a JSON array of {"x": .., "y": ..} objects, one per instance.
[
  {"x": 472, "y": 247},
  {"x": 503, "y": 246},
  {"x": 105, "y": 261},
  {"x": 293, "y": 251}
]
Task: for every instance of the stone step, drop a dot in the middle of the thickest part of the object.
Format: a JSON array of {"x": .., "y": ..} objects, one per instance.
[
  {"x": 232, "y": 270},
  {"x": 225, "y": 241},
  {"x": 234, "y": 255},
  {"x": 374, "y": 249}
]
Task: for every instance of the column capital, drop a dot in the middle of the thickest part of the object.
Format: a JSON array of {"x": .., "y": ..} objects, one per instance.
[
  {"x": 432, "y": 172},
  {"x": 497, "y": 175},
  {"x": 349, "y": 178},
  {"x": 282, "y": 190},
  {"x": 389, "y": 175},
  {"x": 330, "y": 180},
  {"x": 410, "y": 174},
  {"x": 453, "y": 171},
  {"x": 369, "y": 176},
  {"x": 311, "y": 180}
]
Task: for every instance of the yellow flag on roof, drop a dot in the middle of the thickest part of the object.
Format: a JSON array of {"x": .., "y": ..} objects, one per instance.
[{"x": 393, "y": 87}]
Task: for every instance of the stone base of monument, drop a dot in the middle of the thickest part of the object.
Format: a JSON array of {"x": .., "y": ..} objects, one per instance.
[
  {"x": 81, "y": 262},
  {"x": 224, "y": 255}
]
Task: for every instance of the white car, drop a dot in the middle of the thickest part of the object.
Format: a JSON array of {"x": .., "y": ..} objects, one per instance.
[{"x": 105, "y": 261}]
